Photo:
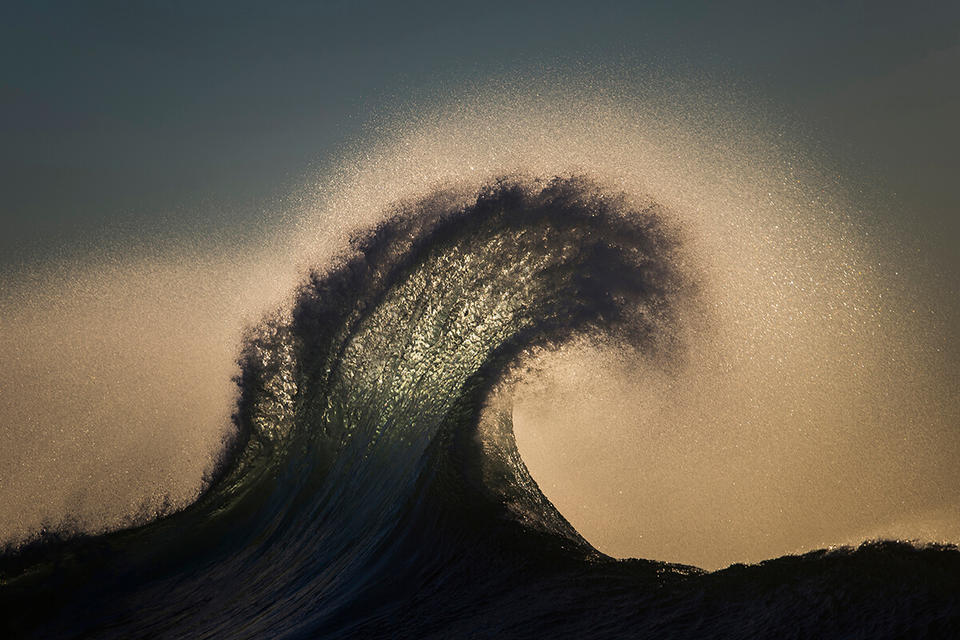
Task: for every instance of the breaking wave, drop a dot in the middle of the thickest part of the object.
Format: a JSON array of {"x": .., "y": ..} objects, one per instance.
[{"x": 374, "y": 487}]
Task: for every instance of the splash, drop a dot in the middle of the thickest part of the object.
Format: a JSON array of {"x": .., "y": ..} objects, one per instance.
[{"x": 688, "y": 303}]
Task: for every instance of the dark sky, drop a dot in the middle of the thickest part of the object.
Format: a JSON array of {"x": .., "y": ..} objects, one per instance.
[{"x": 132, "y": 119}]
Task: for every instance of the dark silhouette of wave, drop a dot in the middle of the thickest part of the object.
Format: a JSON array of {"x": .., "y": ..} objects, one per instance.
[{"x": 374, "y": 490}]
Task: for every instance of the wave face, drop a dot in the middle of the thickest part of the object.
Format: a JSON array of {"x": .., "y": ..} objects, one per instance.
[{"x": 375, "y": 489}]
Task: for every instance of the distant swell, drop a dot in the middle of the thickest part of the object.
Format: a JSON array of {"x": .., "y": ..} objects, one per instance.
[{"x": 374, "y": 487}]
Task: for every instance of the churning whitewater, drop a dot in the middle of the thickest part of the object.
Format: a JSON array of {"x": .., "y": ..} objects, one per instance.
[{"x": 374, "y": 487}]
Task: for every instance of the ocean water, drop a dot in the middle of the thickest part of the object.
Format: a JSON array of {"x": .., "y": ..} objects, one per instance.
[
  {"x": 373, "y": 486},
  {"x": 740, "y": 369}
]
